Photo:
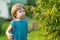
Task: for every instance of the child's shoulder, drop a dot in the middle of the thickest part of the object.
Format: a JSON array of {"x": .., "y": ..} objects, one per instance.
[
  {"x": 12, "y": 21},
  {"x": 25, "y": 20}
]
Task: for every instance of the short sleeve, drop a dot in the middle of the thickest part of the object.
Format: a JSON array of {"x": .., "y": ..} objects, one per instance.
[
  {"x": 26, "y": 26},
  {"x": 26, "y": 23},
  {"x": 12, "y": 23}
]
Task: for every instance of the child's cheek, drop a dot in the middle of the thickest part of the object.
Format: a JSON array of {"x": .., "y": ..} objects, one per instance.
[{"x": 19, "y": 15}]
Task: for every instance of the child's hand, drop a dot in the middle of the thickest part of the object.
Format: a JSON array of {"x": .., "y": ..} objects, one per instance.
[
  {"x": 9, "y": 36},
  {"x": 35, "y": 25}
]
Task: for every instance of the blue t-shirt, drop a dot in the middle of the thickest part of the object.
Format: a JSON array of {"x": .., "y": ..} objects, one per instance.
[{"x": 19, "y": 29}]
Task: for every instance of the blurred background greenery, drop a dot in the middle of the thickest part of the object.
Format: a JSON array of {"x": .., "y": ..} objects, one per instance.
[{"x": 45, "y": 12}]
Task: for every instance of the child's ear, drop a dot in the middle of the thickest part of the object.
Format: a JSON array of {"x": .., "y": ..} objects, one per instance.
[{"x": 15, "y": 15}]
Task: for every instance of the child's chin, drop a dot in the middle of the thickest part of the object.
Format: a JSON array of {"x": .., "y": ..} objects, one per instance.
[{"x": 22, "y": 17}]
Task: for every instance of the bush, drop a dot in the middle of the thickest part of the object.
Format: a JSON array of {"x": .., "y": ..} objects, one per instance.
[
  {"x": 5, "y": 26},
  {"x": 48, "y": 16},
  {"x": 2, "y": 21}
]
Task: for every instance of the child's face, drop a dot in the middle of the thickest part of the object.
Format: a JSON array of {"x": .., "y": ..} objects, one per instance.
[{"x": 20, "y": 13}]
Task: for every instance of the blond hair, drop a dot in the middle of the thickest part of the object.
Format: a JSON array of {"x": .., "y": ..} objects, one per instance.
[{"x": 15, "y": 8}]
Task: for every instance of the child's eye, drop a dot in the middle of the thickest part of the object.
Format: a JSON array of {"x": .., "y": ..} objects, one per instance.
[{"x": 20, "y": 11}]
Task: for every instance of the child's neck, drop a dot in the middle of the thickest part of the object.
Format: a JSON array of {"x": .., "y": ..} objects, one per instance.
[{"x": 17, "y": 19}]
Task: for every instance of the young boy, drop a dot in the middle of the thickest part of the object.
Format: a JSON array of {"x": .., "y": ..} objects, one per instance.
[{"x": 18, "y": 27}]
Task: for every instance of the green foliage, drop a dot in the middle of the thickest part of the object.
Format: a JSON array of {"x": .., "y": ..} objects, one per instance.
[
  {"x": 47, "y": 13},
  {"x": 2, "y": 20},
  {"x": 5, "y": 26}
]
